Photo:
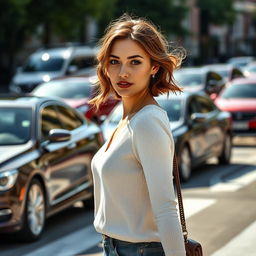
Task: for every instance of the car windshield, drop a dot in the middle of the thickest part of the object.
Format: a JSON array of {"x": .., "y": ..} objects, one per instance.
[
  {"x": 43, "y": 64},
  {"x": 237, "y": 91},
  {"x": 15, "y": 125},
  {"x": 188, "y": 79},
  {"x": 173, "y": 107},
  {"x": 65, "y": 89}
]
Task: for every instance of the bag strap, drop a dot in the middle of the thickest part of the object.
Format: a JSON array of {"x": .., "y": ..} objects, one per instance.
[{"x": 179, "y": 196}]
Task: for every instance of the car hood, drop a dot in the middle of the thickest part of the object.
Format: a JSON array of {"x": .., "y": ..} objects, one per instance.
[
  {"x": 194, "y": 88},
  {"x": 9, "y": 152},
  {"x": 236, "y": 104},
  {"x": 34, "y": 77}
]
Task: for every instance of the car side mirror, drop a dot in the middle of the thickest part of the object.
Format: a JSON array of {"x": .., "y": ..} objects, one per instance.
[{"x": 59, "y": 135}]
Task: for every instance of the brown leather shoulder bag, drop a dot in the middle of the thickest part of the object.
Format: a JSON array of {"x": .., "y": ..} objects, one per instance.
[{"x": 193, "y": 248}]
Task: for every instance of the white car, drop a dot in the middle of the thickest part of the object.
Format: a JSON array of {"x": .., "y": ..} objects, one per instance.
[{"x": 46, "y": 64}]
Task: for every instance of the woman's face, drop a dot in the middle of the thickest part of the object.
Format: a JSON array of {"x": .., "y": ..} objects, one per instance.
[{"x": 129, "y": 68}]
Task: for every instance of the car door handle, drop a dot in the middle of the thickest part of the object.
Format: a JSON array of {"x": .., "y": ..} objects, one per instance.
[{"x": 71, "y": 145}]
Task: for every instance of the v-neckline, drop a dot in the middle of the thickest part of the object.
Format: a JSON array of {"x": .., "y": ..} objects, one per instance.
[{"x": 110, "y": 141}]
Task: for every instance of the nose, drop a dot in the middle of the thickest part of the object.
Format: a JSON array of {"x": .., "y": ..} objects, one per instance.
[{"x": 123, "y": 73}]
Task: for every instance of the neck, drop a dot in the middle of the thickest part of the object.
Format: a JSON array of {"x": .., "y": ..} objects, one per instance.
[{"x": 131, "y": 105}]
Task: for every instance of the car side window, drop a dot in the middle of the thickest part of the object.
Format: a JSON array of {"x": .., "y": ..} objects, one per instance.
[
  {"x": 49, "y": 120},
  {"x": 69, "y": 118},
  {"x": 83, "y": 62}
]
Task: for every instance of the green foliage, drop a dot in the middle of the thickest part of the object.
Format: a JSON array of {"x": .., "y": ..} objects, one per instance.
[
  {"x": 168, "y": 14},
  {"x": 220, "y": 11}
]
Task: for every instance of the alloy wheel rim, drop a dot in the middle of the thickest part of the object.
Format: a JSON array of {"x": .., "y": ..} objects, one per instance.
[
  {"x": 185, "y": 163},
  {"x": 36, "y": 209}
]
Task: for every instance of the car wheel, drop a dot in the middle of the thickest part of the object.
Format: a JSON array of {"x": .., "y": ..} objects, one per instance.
[
  {"x": 35, "y": 211},
  {"x": 185, "y": 164},
  {"x": 225, "y": 156}
]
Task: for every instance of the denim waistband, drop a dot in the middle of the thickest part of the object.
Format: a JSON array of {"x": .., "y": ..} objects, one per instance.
[{"x": 115, "y": 241}]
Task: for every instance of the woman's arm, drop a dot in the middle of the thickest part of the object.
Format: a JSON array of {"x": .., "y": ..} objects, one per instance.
[{"x": 154, "y": 148}]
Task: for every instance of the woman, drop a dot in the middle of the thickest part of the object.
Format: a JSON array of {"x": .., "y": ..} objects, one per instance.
[{"x": 135, "y": 207}]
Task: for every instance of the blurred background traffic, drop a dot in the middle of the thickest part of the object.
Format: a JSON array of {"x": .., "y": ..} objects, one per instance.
[{"x": 49, "y": 132}]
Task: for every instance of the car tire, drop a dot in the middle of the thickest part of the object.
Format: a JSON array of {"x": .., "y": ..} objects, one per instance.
[
  {"x": 35, "y": 212},
  {"x": 225, "y": 156},
  {"x": 185, "y": 164}
]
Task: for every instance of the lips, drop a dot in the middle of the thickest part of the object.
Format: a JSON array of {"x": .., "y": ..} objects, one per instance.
[{"x": 124, "y": 84}]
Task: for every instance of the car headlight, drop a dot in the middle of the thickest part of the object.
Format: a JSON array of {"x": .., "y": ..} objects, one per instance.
[{"x": 8, "y": 179}]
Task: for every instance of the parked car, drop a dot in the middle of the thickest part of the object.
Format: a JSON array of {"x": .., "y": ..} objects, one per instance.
[
  {"x": 77, "y": 91},
  {"x": 46, "y": 149},
  {"x": 239, "y": 98},
  {"x": 250, "y": 69},
  {"x": 200, "y": 129},
  {"x": 199, "y": 79},
  {"x": 227, "y": 71},
  {"x": 240, "y": 61},
  {"x": 49, "y": 63}
]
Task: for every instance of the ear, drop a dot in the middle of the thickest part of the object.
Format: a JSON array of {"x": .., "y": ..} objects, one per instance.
[{"x": 154, "y": 69}]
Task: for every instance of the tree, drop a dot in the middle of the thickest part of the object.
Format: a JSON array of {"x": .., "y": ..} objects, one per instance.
[
  {"x": 219, "y": 12},
  {"x": 20, "y": 19},
  {"x": 168, "y": 14}
]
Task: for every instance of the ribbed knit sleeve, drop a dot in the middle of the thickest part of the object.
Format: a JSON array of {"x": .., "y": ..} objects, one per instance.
[{"x": 154, "y": 148}]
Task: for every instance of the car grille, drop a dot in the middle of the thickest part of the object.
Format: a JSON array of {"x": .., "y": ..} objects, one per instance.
[{"x": 243, "y": 116}]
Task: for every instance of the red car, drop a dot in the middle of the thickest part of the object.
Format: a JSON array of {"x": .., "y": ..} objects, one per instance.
[
  {"x": 76, "y": 91},
  {"x": 239, "y": 98}
]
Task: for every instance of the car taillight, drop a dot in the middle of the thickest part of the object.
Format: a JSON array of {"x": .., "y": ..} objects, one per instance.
[{"x": 252, "y": 124}]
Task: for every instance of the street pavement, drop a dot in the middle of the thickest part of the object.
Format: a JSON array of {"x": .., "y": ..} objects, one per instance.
[{"x": 219, "y": 205}]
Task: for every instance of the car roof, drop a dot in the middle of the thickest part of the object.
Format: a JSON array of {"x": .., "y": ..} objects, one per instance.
[
  {"x": 67, "y": 51},
  {"x": 221, "y": 66},
  {"x": 191, "y": 70},
  {"x": 242, "y": 80},
  {"x": 91, "y": 79},
  {"x": 24, "y": 100},
  {"x": 183, "y": 95}
]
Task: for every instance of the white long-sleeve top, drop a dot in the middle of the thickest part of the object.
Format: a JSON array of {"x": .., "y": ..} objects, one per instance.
[{"x": 133, "y": 183}]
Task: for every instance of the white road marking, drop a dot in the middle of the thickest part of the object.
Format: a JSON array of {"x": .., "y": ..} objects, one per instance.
[
  {"x": 86, "y": 238},
  {"x": 70, "y": 245},
  {"x": 193, "y": 206},
  {"x": 242, "y": 244},
  {"x": 236, "y": 180}
]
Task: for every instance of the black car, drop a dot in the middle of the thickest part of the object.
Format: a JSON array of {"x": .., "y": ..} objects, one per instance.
[
  {"x": 199, "y": 79},
  {"x": 200, "y": 129},
  {"x": 46, "y": 149}
]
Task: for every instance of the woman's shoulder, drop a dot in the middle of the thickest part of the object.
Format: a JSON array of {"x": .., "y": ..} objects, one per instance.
[{"x": 148, "y": 117}]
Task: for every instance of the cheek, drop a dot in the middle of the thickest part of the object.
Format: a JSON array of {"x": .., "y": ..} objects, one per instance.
[{"x": 112, "y": 71}]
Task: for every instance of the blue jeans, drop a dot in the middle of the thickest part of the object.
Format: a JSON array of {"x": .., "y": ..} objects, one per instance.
[{"x": 115, "y": 247}]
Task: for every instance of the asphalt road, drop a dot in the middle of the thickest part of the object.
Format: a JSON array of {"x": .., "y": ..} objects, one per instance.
[{"x": 219, "y": 205}]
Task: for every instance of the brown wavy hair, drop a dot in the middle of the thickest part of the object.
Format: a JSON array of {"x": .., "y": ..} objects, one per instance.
[{"x": 152, "y": 41}]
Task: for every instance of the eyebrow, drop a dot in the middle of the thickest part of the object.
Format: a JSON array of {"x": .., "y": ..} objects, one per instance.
[{"x": 130, "y": 57}]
